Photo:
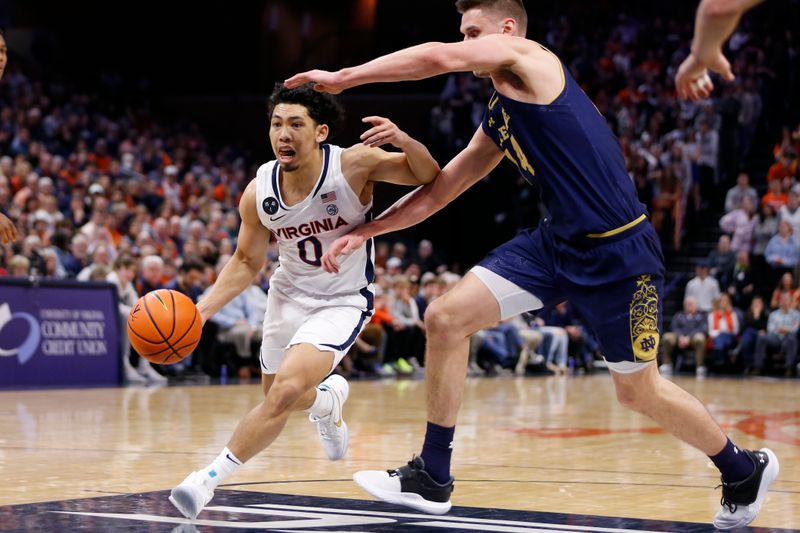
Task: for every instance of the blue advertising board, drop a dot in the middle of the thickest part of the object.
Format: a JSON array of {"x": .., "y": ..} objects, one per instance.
[{"x": 58, "y": 333}]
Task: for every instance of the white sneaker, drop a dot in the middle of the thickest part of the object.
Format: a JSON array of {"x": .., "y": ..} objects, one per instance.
[
  {"x": 147, "y": 370},
  {"x": 408, "y": 485},
  {"x": 665, "y": 370},
  {"x": 191, "y": 496},
  {"x": 332, "y": 428},
  {"x": 742, "y": 500},
  {"x": 701, "y": 372}
]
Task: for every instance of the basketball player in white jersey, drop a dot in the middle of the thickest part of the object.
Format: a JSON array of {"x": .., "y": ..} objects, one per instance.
[{"x": 310, "y": 195}]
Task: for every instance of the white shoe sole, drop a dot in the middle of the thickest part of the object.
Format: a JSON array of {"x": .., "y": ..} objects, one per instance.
[
  {"x": 184, "y": 503},
  {"x": 769, "y": 475},
  {"x": 408, "y": 499}
]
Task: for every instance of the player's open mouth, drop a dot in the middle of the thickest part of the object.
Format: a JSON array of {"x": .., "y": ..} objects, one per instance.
[{"x": 286, "y": 155}]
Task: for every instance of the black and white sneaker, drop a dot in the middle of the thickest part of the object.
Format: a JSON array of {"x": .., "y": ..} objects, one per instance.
[
  {"x": 408, "y": 485},
  {"x": 741, "y": 501}
]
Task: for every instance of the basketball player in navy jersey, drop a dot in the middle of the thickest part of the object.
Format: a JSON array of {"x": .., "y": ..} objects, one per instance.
[
  {"x": 594, "y": 248},
  {"x": 8, "y": 233}
]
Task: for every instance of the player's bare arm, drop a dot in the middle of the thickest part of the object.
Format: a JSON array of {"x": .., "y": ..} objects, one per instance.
[
  {"x": 468, "y": 167},
  {"x": 715, "y": 22},
  {"x": 366, "y": 162},
  {"x": 8, "y": 232},
  {"x": 519, "y": 67},
  {"x": 246, "y": 262}
]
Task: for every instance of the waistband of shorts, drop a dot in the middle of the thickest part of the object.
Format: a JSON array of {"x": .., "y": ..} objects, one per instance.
[
  {"x": 617, "y": 234},
  {"x": 617, "y": 231},
  {"x": 623, "y": 232}
]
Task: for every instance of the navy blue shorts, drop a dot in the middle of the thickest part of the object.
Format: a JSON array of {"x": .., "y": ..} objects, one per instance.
[{"x": 614, "y": 283}]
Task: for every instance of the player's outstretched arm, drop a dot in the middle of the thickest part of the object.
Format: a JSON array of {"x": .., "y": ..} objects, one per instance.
[
  {"x": 8, "y": 232},
  {"x": 413, "y": 166},
  {"x": 486, "y": 54},
  {"x": 246, "y": 262},
  {"x": 468, "y": 167},
  {"x": 714, "y": 23}
]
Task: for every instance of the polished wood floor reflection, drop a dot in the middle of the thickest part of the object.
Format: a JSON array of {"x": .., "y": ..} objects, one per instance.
[{"x": 545, "y": 444}]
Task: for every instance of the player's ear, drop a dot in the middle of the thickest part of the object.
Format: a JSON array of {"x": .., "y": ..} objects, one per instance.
[
  {"x": 322, "y": 133},
  {"x": 509, "y": 27}
]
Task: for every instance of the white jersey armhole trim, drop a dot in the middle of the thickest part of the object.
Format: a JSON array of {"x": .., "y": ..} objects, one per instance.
[{"x": 262, "y": 191}]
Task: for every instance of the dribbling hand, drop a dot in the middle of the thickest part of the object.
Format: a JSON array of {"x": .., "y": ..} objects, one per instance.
[
  {"x": 8, "y": 232},
  {"x": 324, "y": 81},
  {"x": 344, "y": 245}
]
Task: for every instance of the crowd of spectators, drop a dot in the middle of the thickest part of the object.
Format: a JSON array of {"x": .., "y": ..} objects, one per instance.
[
  {"x": 740, "y": 311},
  {"x": 105, "y": 195},
  {"x": 113, "y": 193}
]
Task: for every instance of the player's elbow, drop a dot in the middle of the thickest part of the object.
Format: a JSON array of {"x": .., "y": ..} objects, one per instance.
[
  {"x": 250, "y": 262},
  {"x": 428, "y": 177}
]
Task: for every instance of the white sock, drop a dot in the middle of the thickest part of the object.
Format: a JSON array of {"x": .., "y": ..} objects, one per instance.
[
  {"x": 220, "y": 468},
  {"x": 323, "y": 404}
]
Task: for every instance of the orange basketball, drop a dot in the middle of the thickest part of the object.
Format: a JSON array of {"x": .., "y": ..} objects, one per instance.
[{"x": 164, "y": 326}]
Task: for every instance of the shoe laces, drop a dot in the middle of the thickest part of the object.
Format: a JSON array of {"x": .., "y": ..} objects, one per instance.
[
  {"x": 725, "y": 502},
  {"x": 395, "y": 473},
  {"x": 326, "y": 424},
  {"x": 326, "y": 427}
]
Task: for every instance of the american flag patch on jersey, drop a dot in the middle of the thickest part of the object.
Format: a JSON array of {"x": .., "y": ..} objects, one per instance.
[{"x": 328, "y": 197}]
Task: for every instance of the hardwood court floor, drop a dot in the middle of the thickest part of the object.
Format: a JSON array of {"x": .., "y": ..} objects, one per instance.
[{"x": 544, "y": 444}]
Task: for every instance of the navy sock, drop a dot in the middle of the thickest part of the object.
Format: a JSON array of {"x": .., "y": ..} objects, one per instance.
[
  {"x": 436, "y": 451},
  {"x": 733, "y": 463}
]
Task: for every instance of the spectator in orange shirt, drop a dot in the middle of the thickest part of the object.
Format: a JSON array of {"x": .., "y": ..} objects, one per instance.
[
  {"x": 100, "y": 156},
  {"x": 788, "y": 286},
  {"x": 775, "y": 195},
  {"x": 784, "y": 167},
  {"x": 383, "y": 314}
]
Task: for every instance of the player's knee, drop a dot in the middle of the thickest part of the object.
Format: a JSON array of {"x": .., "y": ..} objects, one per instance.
[
  {"x": 282, "y": 395},
  {"x": 442, "y": 321}
]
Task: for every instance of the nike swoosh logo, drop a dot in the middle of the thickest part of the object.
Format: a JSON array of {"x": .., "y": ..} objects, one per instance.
[
  {"x": 273, "y": 219},
  {"x": 231, "y": 459},
  {"x": 339, "y": 420}
]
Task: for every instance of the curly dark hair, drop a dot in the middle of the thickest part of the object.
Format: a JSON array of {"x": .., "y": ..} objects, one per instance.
[{"x": 322, "y": 107}]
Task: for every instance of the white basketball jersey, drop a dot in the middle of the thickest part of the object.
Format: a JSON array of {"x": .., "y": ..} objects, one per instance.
[{"x": 306, "y": 230}]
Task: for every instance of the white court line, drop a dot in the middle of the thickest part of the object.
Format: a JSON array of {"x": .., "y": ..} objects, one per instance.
[{"x": 560, "y": 527}]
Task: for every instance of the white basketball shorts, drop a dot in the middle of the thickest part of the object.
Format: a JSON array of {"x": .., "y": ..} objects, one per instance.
[{"x": 329, "y": 324}]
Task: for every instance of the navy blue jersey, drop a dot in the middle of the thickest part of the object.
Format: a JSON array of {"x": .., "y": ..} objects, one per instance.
[{"x": 568, "y": 150}]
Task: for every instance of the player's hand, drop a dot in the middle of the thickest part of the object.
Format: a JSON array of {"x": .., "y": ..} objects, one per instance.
[
  {"x": 8, "y": 232},
  {"x": 324, "y": 81},
  {"x": 344, "y": 245},
  {"x": 692, "y": 81},
  {"x": 384, "y": 131}
]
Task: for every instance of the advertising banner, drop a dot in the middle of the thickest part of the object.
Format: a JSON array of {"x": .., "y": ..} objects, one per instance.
[{"x": 58, "y": 333}]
